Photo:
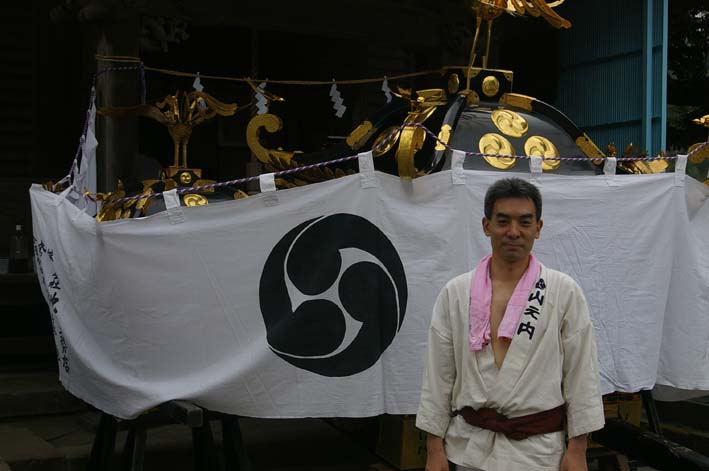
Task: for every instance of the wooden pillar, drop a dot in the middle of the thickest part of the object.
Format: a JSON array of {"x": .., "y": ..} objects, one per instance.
[
  {"x": 118, "y": 137},
  {"x": 253, "y": 166}
]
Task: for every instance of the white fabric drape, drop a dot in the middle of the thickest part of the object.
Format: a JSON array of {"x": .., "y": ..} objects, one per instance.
[{"x": 147, "y": 311}]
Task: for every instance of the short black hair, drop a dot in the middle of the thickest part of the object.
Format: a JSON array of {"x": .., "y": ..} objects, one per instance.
[{"x": 512, "y": 188}]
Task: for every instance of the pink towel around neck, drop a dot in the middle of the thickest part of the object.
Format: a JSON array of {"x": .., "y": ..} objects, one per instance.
[{"x": 481, "y": 301}]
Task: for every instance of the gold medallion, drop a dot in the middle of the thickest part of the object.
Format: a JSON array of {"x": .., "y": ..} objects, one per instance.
[
  {"x": 540, "y": 146},
  {"x": 185, "y": 178},
  {"x": 510, "y": 123},
  {"x": 386, "y": 147},
  {"x": 192, "y": 199},
  {"x": 495, "y": 144},
  {"x": 491, "y": 86}
]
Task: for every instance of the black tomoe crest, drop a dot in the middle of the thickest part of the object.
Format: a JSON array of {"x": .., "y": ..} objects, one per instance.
[{"x": 333, "y": 295}]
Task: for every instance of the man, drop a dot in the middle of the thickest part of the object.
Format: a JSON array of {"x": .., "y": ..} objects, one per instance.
[{"x": 511, "y": 367}]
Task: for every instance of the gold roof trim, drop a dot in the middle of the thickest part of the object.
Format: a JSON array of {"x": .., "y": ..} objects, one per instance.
[
  {"x": 359, "y": 135},
  {"x": 516, "y": 100},
  {"x": 590, "y": 149}
]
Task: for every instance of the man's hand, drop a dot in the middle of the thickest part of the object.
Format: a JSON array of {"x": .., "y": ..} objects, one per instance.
[
  {"x": 436, "y": 459},
  {"x": 575, "y": 457}
]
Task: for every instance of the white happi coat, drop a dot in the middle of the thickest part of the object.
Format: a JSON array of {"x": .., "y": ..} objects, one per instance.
[{"x": 552, "y": 360}]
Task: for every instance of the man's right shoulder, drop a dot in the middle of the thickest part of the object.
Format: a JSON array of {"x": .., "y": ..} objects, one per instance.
[
  {"x": 452, "y": 304},
  {"x": 459, "y": 282}
]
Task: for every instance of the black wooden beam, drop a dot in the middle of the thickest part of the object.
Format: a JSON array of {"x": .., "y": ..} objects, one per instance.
[
  {"x": 183, "y": 412},
  {"x": 649, "y": 448}
]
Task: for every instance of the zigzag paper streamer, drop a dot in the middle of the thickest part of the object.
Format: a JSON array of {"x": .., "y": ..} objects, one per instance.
[
  {"x": 386, "y": 90},
  {"x": 197, "y": 85},
  {"x": 261, "y": 101},
  {"x": 337, "y": 100}
]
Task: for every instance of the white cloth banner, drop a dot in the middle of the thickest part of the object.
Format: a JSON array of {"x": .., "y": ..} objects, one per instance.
[
  {"x": 319, "y": 305},
  {"x": 83, "y": 173}
]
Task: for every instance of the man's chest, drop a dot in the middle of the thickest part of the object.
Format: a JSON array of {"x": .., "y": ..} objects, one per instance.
[
  {"x": 501, "y": 294},
  {"x": 498, "y": 305}
]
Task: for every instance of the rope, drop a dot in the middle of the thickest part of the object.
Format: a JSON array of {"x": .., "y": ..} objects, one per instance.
[
  {"x": 383, "y": 143},
  {"x": 180, "y": 73}
]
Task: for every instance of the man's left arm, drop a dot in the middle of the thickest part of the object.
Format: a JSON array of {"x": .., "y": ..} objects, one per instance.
[
  {"x": 575, "y": 456},
  {"x": 581, "y": 380}
]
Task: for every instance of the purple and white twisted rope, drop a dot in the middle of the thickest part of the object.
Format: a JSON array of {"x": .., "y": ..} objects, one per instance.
[
  {"x": 237, "y": 181},
  {"x": 392, "y": 136},
  {"x": 280, "y": 173}
]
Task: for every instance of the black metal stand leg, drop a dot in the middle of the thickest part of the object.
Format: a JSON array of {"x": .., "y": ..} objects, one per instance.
[
  {"x": 651, "y": 412},
  {"x": 235, "y": 455},
  {"x": 127, "y": 456},
  {"x": 205, "y": 456},
  {"x": 104, "y": 444},
  {"x": 134, "y": 450}
]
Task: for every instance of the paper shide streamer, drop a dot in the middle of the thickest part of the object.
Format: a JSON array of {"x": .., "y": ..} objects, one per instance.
[
  {"x": 197, "y": 85},
  {"x": 337, "y": 100},
  {"x": 261, "y": 100},
  {"x": 386, "y": 90}
]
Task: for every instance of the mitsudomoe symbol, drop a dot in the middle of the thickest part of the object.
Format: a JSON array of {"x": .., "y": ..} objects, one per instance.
[{"x": 333, "y": 295}]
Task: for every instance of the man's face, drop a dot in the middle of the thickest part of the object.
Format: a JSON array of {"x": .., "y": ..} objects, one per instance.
[{"x": 513, "y": 228}]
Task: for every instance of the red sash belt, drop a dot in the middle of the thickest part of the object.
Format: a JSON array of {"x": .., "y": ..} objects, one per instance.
[{"x": 517, "y": 428}]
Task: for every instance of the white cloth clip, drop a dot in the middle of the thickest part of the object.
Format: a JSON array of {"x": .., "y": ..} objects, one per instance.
[
  {"x": 609, "y": 170},
  {"x": 267, "y": 184},
  {"x": 680, "y": 170},
  {"x": 535, "y": 168},
  {"x": 366, "y": 170},
  {"x": 457, "y": 175},
  {"x": 172, "y": 205}
]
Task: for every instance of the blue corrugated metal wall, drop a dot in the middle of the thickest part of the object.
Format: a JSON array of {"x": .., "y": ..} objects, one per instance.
[{"x": 612, "y": 77}]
